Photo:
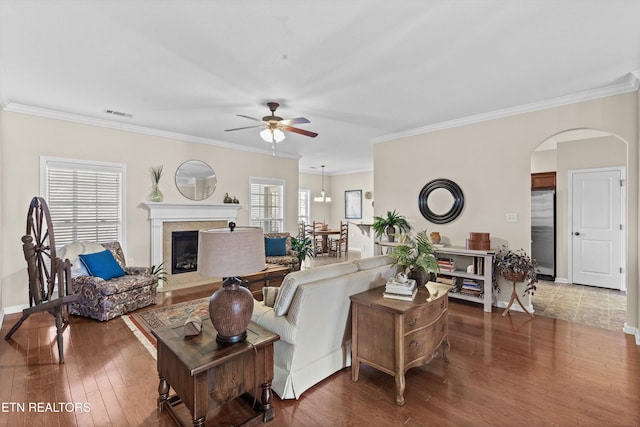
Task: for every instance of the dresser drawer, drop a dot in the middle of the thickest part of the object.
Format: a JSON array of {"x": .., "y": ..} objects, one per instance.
[
  {"x": 425, "y": 341},
  {"x": 423, "y": 315}
]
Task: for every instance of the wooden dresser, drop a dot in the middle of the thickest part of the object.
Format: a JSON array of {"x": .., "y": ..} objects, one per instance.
[{"x": 393, "y": 336}]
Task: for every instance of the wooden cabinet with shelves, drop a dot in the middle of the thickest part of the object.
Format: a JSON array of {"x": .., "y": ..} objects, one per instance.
[{"x": 482, "y": 275}]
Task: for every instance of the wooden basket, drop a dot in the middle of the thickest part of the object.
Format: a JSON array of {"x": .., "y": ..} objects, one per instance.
[{"x": 513, "y": 277}]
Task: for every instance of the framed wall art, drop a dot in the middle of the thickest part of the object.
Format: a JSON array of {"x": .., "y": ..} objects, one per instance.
[{"x": 353, "y": 204}]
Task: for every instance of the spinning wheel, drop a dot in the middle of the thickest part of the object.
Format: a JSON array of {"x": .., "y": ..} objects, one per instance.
[
  {"x": 40, "y": 236},
  {"x": 44, "y": 270}
]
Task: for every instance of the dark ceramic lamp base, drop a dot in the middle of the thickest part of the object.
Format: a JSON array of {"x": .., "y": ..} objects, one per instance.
[{"x": 230, "y": 309}]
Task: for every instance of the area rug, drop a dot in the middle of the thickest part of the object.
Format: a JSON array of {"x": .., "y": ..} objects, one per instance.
[{"x": 143, "y": 322}]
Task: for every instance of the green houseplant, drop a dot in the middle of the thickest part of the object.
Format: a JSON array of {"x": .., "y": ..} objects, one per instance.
[
  {"x": 160, "y": 272},
  {"x": 416, "y": 256},
  {"x": 387, "y": 224},
  {"x": 517, "y": 266},
  {"x": 303, "y": 247}
]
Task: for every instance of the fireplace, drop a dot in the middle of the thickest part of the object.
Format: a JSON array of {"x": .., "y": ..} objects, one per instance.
[
  {"x": 166, "y": 218},
  {"x": 184, "y": 251}
]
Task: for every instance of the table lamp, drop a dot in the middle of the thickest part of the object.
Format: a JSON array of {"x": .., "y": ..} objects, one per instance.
[{"x": 228, "y": 253}]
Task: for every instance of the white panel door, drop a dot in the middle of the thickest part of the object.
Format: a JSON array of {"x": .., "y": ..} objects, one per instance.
[{"x": 596, "y": 234}]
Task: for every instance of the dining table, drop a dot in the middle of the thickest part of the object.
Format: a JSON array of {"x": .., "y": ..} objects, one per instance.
[{"x": 325, "y": 238}]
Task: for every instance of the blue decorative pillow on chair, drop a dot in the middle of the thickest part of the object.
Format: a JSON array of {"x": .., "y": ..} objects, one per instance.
[
  {"x": 275, "y": 246},
  {"x": 102, "y": 264}
]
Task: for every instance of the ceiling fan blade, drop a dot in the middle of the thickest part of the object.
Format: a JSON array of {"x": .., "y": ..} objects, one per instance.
[
  {"x": 296, "y": 121},
  {"x": 248, "y": 117},
  {"x": 300, "y": 131},
  {"x": 245, "y": 127}
]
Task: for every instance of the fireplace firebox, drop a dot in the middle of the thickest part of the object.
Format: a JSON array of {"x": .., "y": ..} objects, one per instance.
[{"x": 184, "y": 251}]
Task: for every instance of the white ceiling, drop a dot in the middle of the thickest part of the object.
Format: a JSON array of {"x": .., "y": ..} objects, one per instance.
[{"x": 361, "y": 71}]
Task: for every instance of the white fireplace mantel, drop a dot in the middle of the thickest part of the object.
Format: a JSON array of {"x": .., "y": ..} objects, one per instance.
[{"x": 160, "y": 213}]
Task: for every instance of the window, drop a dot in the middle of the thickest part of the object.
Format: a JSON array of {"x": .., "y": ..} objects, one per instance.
[
  {"x": 86, "y": 199},
  {"x": 266, "y": 204},
  {"x": 303, "y": 206}
]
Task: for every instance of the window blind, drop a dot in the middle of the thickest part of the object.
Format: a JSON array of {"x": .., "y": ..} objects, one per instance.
[
  {"x": 266, "y": 205},
  {"x": 85, "y": 202}
]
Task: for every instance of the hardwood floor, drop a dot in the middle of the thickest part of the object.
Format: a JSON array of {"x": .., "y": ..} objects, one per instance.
[{"x": 502, "y": 372}]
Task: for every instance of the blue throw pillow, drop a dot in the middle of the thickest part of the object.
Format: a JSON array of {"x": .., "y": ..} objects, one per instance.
[
  {"x": 275, "y": 246},
  {"x": 102, "y": 264}
]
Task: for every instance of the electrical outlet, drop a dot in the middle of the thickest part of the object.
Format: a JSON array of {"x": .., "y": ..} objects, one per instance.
[{"x": 512, "y": 217}]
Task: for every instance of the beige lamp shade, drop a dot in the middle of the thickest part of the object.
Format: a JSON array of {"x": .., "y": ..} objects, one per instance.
[{"x": 226, "y": 253}]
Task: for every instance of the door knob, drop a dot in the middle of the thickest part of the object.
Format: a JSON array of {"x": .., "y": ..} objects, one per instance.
[{"x": 577, "y": 233}]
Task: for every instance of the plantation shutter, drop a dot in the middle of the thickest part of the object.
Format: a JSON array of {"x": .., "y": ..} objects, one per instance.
[
  {"x": 266, "y": 204},
  {"x": 85, "y": 201}
]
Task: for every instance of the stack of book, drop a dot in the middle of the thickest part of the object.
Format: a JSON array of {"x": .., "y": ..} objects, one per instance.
[
  {"x": 471, "y": 287},
  {"x": 404, "y": 291},
  {"x": 445, "y": 265}
]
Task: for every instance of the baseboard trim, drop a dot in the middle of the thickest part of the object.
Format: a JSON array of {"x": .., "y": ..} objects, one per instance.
[
  {"x": 15, "y": 309},
  {"x": 632, "y": 331},
  {"x": 561, "y": 280}
]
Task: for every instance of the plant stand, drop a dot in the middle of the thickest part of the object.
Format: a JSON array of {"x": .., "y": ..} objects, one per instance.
[{"x": 514, "y": 296}]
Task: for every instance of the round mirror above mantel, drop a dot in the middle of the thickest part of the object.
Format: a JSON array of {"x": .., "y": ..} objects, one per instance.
[{"x": 196, "y": 180}]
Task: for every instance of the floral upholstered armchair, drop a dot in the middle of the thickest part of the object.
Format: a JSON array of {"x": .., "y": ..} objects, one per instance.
[
  {"x": 107, "y": 288},
  {"x": 278, "y": 250}
]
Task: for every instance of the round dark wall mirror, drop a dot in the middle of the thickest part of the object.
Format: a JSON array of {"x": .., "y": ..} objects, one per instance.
[
  {"x": 441, "y": 201},
  {"x": 196, "y": 180}
]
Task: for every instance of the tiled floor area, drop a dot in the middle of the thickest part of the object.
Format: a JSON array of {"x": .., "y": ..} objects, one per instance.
[
  {"x": 601, "y": 307},
  {"x": 605, "y": 308}
]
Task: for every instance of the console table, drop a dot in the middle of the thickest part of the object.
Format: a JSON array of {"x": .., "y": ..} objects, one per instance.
[
  {"x": 393, "y": 336},
  {"x": 270, "y": 276},
  {"x": 206, "y": 374}
]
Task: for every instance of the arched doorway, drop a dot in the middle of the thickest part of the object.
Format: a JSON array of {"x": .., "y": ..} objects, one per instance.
[{"x": 571, "y": 151}]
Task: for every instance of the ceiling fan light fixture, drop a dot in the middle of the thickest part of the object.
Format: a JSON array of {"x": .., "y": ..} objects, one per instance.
[{"x": 272, "y": 135}]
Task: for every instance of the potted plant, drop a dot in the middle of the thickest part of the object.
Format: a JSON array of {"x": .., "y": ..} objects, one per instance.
[
  {"x": 160, "y": 272},
  {"x": 388, "y": 224},
  {"x": 416, "y": 256},
  {"x": 303, "y": 247},
  {"x": 517, "y": 266}
]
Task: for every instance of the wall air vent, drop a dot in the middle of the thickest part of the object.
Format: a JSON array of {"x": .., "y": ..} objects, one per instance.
[{"x": 118, "y": 113}]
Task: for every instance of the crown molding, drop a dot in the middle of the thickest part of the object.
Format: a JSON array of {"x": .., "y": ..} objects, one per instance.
[
  {"x": 631, "y": 84},
  {"x": 91, "y": 121}
]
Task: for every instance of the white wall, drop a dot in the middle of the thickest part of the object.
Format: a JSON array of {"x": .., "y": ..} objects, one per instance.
[
  {"x": 543, "y": 161},
  {"x": 357, "y": 181},
  {"x": 318, "y": 211},
  {"x": 25, "y": 138},
  {"x": 491, "y": 161}
]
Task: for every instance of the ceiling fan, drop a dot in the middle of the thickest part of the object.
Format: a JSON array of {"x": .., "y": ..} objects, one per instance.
[{"x": 274, "y": 125}]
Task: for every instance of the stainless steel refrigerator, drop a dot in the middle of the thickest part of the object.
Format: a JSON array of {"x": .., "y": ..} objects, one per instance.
[{"x": 543, "y": 232}]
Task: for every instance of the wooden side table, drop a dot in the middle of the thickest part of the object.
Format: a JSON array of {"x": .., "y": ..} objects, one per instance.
[
  {"x": 206, "y": 374},
  {"x": 393, "y": 336}
]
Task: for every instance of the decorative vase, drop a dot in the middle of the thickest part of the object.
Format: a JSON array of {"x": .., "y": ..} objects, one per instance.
[
  {"x": 391, "y": 231},
  {"x": 435, "y": 237},
  {"x": 420, "y": 276},
  {"x": 156, "y": 195}
]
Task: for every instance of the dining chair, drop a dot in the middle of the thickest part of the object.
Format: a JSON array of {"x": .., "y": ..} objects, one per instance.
[
  {"x": 310, "y": 231},
  {"x": 340, "y": 243}
]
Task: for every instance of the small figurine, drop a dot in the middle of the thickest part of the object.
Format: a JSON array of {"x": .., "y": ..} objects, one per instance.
[
  {"x": 227, "y": 199},
  {"x": 235, "y": 200}
]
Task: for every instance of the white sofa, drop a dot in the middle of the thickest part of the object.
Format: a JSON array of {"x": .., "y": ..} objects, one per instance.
[{"x": 312, "y": 315}]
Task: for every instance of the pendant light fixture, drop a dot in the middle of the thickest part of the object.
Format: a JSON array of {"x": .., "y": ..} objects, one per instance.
[{"x": 322, "y": 197}]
